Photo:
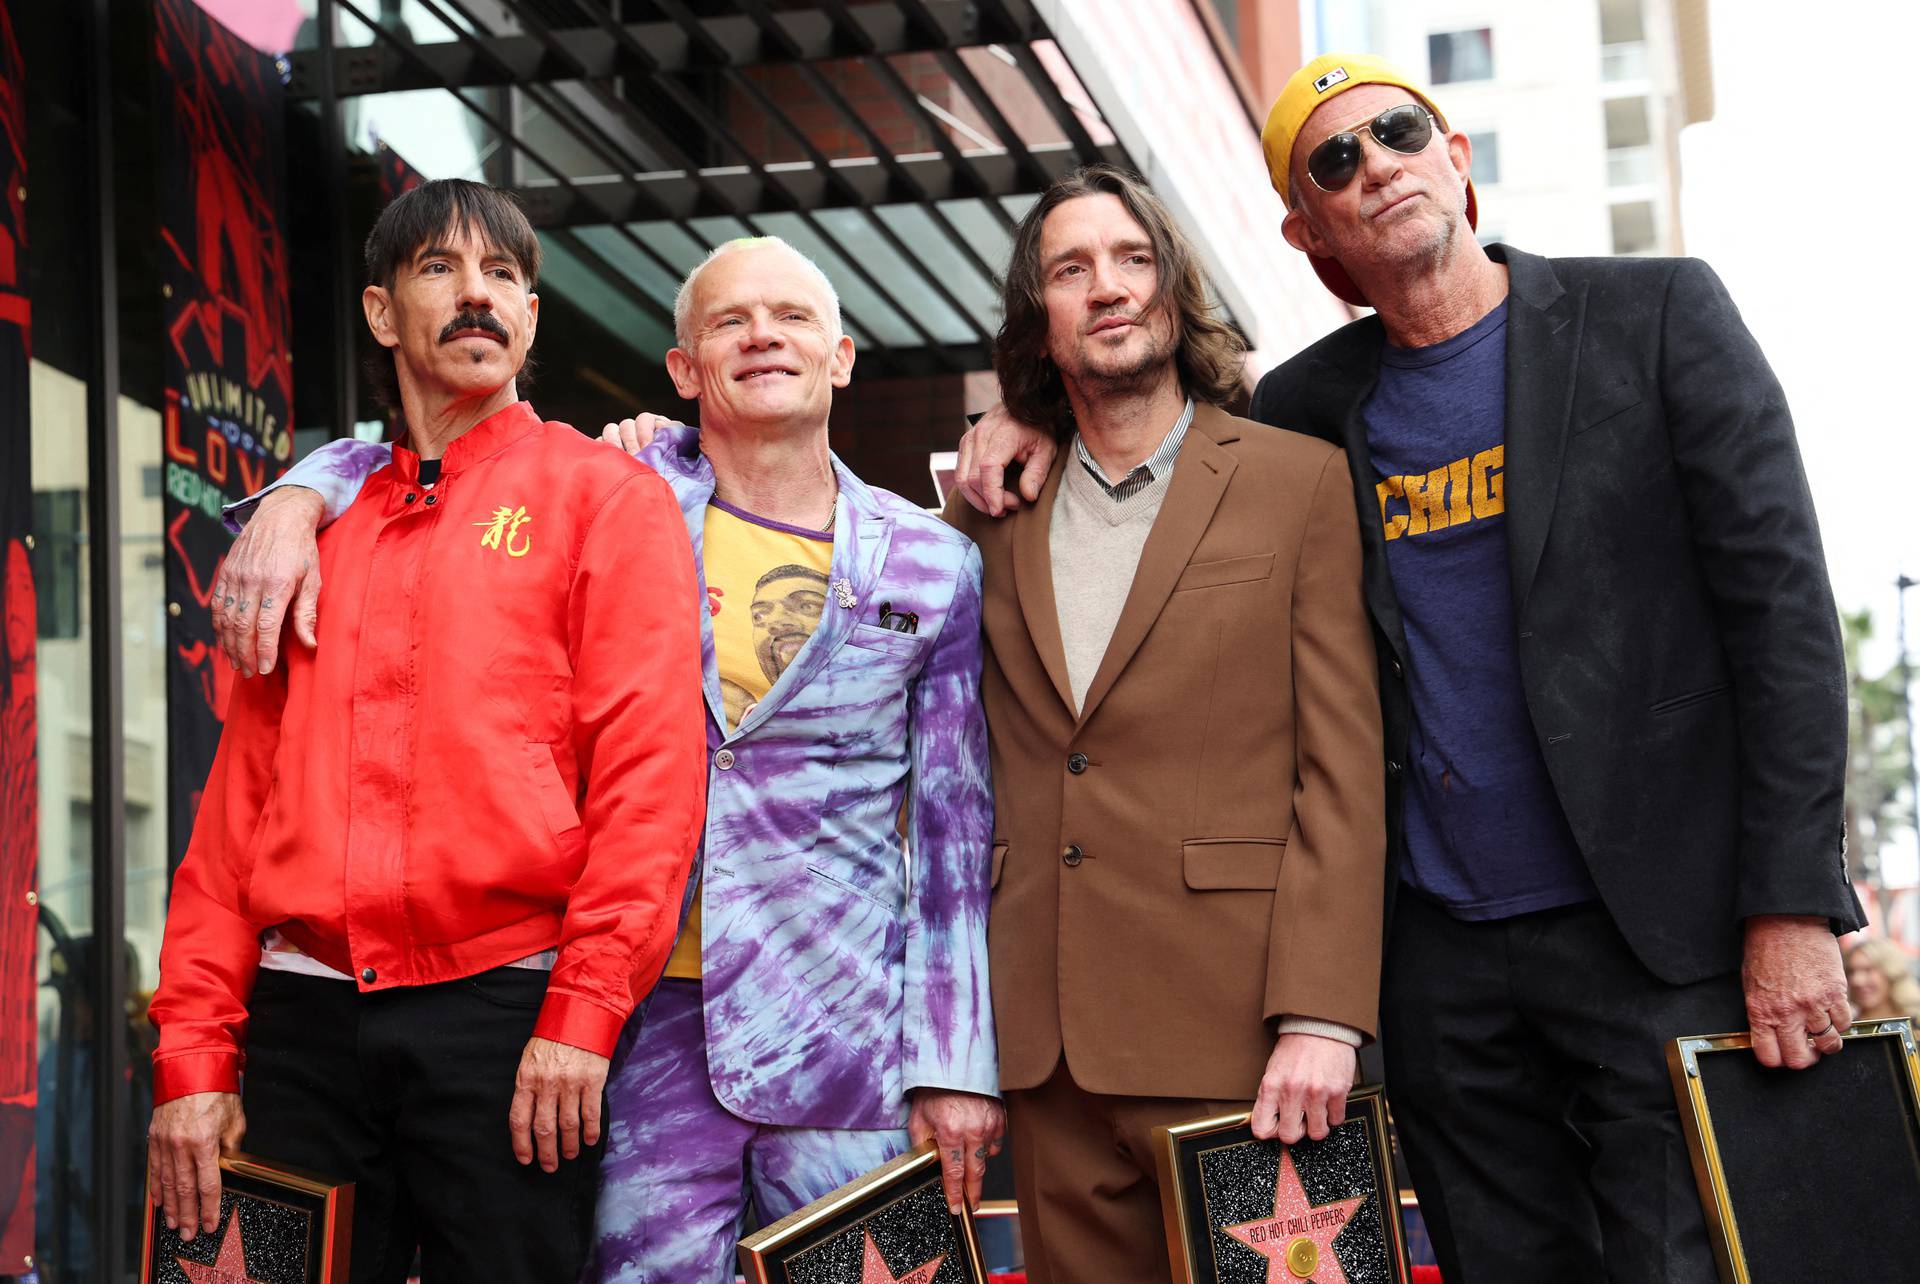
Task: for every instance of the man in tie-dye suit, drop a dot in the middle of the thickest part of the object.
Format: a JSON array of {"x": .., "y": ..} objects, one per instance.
[{"x": 825, "y": 1004}]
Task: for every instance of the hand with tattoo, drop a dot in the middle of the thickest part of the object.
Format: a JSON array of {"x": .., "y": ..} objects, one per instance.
[
  {"x": 276, "y": 560},
  {"x": 968, "y": 1130}
]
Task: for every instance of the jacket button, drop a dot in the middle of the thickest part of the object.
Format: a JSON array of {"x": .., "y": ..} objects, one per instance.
[
  {"x": 1071, "y": 856},
  {"x": 411, "y": 497},
  {"x": 1397, "y": 671},
  {"x": 431, "y": 499},
  {"x": 724, "y": 760},
  {"x": 367, "y": 974},
  {"x": 1393, "y": 766},
  {"x": 1076, "y": 763}
]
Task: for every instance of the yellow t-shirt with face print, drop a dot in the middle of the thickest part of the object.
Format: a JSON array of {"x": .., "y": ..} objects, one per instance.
[{"x": 766, "y": 588}]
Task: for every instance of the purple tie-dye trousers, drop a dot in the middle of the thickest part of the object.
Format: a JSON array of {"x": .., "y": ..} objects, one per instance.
[{"x": 682, "y": 1172}]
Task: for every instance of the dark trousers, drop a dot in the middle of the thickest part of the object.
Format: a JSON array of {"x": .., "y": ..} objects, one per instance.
[
  {"x": 1526, "y": 1064},
  {"x": 1087, "y": 1183},
  {"x": 406, "y": 1092}
]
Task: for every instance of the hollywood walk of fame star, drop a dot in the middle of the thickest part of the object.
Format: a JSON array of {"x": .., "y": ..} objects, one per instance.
[
  {"x": 873, "y": 1268},
  {"x": 230, "y": 1267},
  {"x": 1297, "y": 1237}
]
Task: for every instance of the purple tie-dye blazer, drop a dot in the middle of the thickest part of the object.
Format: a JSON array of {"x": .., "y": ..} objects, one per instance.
[{"x": 835, "y": 978}]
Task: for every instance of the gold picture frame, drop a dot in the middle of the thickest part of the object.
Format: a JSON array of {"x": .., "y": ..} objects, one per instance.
[
  {"x": 1356, "y": 1156},
  {"x": 897, "y": 1208},
  {"x": 310, "y": 1216},
  {"x": 1786, "y": 1160}
]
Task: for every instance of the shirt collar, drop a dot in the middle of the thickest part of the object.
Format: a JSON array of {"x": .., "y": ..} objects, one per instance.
[
  {"x": 1157, "y": 465},
  {"x": 488, "y": 437}
]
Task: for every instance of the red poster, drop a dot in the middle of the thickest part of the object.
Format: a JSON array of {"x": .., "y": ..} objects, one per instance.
[
  {"x": 228, "y": 418},
  {"x": 19, "y": 784}
]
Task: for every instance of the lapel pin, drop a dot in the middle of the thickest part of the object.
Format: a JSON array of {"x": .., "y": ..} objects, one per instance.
[{"x": 843, "y": 594}]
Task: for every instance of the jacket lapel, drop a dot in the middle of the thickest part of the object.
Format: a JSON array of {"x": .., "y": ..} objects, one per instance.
[
  {"x": 691, "y": 478},
  {"x": 1544, "y": 324},
  {"x": 1339, "y": 390},
  {"x": 1033, "y": 579},
  {"x": 1200, "y": 474},
  {"x": 861, "y": 536}
]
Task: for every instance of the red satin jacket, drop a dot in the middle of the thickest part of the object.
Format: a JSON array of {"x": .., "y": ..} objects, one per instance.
[{"x": 497, "y": 748}]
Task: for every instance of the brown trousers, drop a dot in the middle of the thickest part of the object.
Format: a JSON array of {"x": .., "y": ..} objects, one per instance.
[{"x": 1085, "y": 1176}]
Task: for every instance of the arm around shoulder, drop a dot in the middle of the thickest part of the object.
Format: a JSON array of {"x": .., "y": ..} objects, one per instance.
[{"x": 335, "y": 472}]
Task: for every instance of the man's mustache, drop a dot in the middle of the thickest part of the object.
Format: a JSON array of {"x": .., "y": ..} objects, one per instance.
[{"x": 475, "y": 320}]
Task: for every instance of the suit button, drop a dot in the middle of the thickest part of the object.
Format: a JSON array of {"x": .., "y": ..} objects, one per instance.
[
  {"x": 367, "y": 974},
  {"x": 1076, "y": 763},
  {"x": 431, "y": 500},
  {"x": 1393, "y": 766},
  {"x": 1071, "y": 856},
  {"x": 1396, "y": 664},
  {"x": 724, "y": 760},
  {"x": 411, "y": 497}
]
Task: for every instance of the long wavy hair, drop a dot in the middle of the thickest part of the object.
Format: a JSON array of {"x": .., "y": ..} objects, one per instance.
[
  {"x": 1210, "y": 353},
  {"x": 1903, "y": 991}
]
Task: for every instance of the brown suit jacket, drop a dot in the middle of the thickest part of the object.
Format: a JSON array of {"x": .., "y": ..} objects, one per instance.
[{"x": 1216, "y": 861}]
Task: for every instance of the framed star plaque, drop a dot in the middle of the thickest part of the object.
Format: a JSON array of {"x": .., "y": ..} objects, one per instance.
[
  {"x": 888, "y": 1227},
  {"x": 1241, "y": 1210},
  {"x": 1805, "y": 1173},
  {"x": 277, "y": 1225}
]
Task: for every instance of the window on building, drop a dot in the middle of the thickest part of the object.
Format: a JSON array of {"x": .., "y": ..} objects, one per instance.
[
  {"x": 1229, "y": 11},
  {"x": 1621, "y": 22},
  {"x": 1623, "y": 41},
  {"x": 1627, "y": 123},
  {"x": 59, "y": 553},
  {"x": 1630, "y": 161},
  {"x": 1455, "y": 56},
  {"x": 1486, "y": 157},
  {"x": 1633, "y": 228}
]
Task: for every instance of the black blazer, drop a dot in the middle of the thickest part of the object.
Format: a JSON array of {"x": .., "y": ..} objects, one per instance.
[{"x": 1678, "y": 639}]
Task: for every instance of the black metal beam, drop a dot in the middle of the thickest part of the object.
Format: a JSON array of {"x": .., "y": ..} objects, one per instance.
[
  {"x": 113, "y": 1130},
  {"x": 806, "y": 35},
  {"x": 500, "y": 126},
  {"x": 719, "y": 130},
  {"x": 679, "y": 195}
]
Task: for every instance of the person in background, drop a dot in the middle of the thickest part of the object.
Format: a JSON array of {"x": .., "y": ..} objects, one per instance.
[{"x": 1880, "y": 981}]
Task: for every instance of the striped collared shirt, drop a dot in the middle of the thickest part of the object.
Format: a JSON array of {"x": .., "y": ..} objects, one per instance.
[{"x": 1158, "y": 464}]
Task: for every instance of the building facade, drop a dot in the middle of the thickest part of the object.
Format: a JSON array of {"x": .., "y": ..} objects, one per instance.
[{"x": 1575, "y": 110}]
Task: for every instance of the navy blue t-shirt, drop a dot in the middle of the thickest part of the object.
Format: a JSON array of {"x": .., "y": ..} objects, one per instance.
[{"x": 1486, "y": 837}]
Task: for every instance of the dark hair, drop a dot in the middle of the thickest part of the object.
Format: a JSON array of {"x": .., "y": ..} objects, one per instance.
[
  {"x": 1209, "y": 353},
  {"x": 416, "y": 219}
]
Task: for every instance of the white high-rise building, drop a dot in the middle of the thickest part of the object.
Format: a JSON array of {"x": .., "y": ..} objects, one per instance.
[{"x": 1575, "y": 107}]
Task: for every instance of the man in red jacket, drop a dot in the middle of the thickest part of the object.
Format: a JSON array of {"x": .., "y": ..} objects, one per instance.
[{"x": 441, "y": 855}]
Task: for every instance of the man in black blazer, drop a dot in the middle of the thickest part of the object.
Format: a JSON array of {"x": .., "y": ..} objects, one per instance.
[{"x": 1614, "y": 694}]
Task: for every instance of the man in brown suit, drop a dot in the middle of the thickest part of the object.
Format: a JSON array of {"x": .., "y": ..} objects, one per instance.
[{"x": 1185, "y": 728}]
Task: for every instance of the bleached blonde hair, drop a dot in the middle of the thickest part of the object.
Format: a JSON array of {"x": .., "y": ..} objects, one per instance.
[{"x": 683, "y": 298}]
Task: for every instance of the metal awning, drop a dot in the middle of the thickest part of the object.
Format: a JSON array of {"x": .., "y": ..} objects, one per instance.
[{"x": 896, "y": 143}]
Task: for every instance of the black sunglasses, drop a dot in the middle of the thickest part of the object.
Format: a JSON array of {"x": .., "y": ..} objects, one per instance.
[{"x": 1406, "y": 129}]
